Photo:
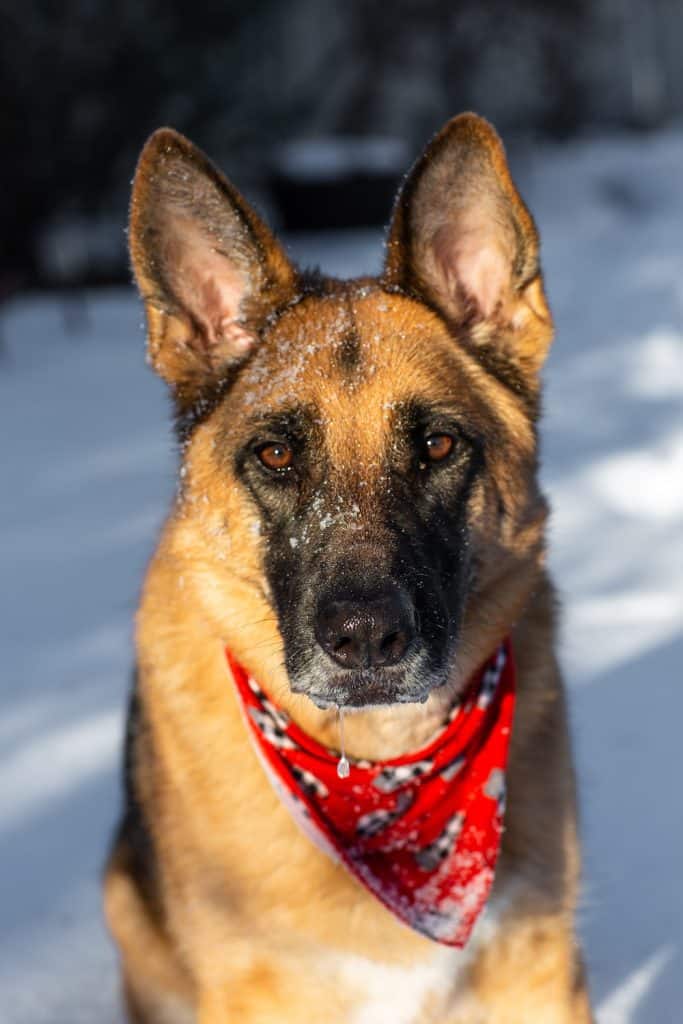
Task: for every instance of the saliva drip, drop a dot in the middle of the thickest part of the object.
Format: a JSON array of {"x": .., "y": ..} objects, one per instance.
[{"x": 343, "y": 767}]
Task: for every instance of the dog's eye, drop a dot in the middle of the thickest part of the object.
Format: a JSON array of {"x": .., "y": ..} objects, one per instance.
[
  {"x": 275, "y": 455},
  {"x": 438, "y": 447}
]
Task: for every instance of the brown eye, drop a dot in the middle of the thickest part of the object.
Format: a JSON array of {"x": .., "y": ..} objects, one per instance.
[
  {"x": 275, "y": 455},
  {"x": 439, "y": 447}
]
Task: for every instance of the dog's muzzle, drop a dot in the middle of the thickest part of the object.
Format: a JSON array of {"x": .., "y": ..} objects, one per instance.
[{"x": 365, "y": 648}]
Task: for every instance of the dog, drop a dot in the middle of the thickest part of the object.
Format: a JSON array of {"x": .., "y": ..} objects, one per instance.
[{"x": 357, "y": 541}]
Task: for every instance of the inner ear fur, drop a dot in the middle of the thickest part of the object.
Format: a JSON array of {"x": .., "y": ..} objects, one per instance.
[
  {"x": 207, "y": 267},
  {"x": 462, "y": 237}
]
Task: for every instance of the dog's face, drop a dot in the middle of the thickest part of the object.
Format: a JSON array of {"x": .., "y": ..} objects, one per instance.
[
  {"x": 366, "y": 449},
  {"x": 361, "y": 453}
]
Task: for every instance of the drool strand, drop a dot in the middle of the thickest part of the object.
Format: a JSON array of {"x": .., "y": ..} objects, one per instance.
[{"x": 343, "y": 767}]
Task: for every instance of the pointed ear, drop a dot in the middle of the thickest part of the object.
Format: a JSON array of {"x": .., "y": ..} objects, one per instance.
[
  {"x": 462, "y": 237},
  {"x": 207, "y": 267}
]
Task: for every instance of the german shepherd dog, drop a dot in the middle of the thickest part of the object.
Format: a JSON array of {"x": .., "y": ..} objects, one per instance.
[{"x": 359, "y": 523}]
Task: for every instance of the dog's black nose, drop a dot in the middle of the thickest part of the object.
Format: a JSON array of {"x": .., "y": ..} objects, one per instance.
[{"x": 366, "y": 633}]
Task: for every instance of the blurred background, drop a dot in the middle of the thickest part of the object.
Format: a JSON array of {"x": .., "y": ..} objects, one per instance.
[
  {"x": 279, "y": 90},
  {"x": 316, "y": 108}
]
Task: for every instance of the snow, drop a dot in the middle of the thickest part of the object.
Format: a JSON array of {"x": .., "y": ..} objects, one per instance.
[{"x": 88, "y": 473}]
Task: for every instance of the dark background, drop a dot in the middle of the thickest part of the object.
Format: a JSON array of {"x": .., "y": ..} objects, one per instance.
[{"x": 83, "y": 83}]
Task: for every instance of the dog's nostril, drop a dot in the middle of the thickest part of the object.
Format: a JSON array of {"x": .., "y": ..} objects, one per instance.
[
  {"x": 391, "y": 639},
  {"x": 393, "y": 647}
]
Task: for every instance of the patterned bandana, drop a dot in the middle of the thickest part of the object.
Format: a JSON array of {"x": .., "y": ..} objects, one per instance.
[{"x": 422, "y": 831}]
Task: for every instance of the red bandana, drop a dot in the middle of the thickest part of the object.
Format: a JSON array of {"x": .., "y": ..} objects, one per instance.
[{"x": 422, "y": 831}]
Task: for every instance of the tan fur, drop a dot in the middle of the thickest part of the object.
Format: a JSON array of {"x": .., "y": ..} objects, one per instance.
[{"x": 249, "y": 922}]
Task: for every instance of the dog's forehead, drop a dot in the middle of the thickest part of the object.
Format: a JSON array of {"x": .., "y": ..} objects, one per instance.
[{"x": 354, "y": 358}]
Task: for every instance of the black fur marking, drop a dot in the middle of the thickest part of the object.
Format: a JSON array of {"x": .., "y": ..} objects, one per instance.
[
  {"x": 277, "y": 495},
  {"x": 133, "y": 832},
  {"x": 349, "y": 353},
  {"x": 507, "y": 373},
  {"x": 312, "y": 283},
  {"x": 187, "y": 417}
]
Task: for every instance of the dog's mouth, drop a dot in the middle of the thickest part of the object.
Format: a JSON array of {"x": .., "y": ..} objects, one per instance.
[
  {"x": 374, "y": 652},
  {"x": 368, "y": 688},
  {"x": 365, "y": 697}
]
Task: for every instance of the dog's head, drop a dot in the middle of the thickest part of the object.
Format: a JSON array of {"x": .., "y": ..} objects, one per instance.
[{"x": 362, "y": 452}]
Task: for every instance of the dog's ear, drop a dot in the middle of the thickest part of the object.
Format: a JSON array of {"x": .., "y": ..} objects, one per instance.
[
  {"x": 462, "y": 237},
  {"x": 207, "y": 267}
]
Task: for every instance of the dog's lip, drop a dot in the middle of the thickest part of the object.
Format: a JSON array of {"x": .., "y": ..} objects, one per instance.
[{"x": 364, "y": 694}]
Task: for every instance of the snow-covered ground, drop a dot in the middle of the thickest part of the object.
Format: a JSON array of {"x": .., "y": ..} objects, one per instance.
[{"x": 87, "y": 464}]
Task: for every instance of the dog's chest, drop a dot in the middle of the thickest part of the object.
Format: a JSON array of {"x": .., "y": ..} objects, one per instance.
[
  {"x": 401, "y": 994},
  {"x": 397, "y": 993}
]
